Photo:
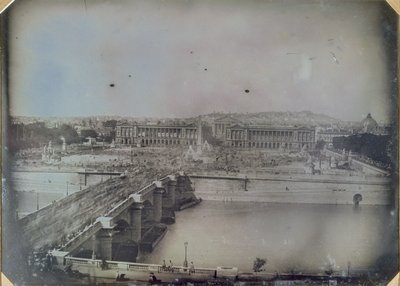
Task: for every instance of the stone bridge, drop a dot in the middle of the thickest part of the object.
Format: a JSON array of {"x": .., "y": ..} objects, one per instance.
[{"x": 132, "y": 225}]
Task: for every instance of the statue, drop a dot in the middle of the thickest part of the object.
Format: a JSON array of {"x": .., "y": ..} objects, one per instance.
[
  {"x": 64, "y": 145},
  {"x": 206, "y": 146},
  {"x": 190, "y": 154}
]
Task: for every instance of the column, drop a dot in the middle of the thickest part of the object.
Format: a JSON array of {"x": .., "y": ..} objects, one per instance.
[
  {"x": 104, "y": 237},
  {"x": 135, "y": 213},
  {"x": 157, "y": 203}
]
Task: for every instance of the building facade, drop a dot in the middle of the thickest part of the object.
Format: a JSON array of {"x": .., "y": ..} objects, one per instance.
[
  {"x": 269, "y": 137},
  {"x": 157, "y": 134},
  {"x": 221, "y": 124},
  {"x": 328, "y": 135}
]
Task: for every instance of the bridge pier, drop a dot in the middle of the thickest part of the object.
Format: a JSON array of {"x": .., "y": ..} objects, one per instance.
[
  {"x": 157, "y": 203},
  {"x": 135, "y": 213},
  {"x": 179, "y": 189},
  {"x": 171, "y": 194},
  {"x": 105, "y": 243}
]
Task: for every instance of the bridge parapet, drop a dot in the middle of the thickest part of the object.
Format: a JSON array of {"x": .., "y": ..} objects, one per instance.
[
  {"x": 144, "y": 191},
  {"x": 87, "y": 233},
  {"x": 76, "y": 263},
  {"x": 165, "y": 180},
  {"x": 120, "y": 207}
]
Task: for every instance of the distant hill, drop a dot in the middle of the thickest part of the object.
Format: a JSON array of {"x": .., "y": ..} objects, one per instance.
[{"x": 280, "y": 118}]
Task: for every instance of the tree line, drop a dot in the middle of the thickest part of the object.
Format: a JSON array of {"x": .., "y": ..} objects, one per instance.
[{"x": 376, "y": 147}]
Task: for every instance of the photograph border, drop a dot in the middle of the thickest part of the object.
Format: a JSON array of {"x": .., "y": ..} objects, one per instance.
[{"x": 4, "y": 80}]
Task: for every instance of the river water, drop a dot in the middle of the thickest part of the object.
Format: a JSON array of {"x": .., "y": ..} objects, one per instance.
[
  {"x": 299, "y": 237},
  {"x": 39, "y": 189}
]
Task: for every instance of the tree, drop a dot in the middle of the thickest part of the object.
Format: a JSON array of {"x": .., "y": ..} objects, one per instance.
[
  {"x": 110, "y": 123},
  {"x": 369, "y": 145},
  {"x": 258, "y": 264},
  {"x": 69, "y": 133},
  {"x": 88, "y": 133},
  {"x": 320, "y": 145}
]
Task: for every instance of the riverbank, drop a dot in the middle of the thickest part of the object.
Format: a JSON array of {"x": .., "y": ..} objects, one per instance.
[
  {"x": 294, "y": 189},
  {"x": 122, "y": 273}
]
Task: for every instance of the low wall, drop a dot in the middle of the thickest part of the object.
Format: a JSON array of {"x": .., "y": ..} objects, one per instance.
[
  {"x": 135, "y": 271},
  {"x": 292, "y": 191}
]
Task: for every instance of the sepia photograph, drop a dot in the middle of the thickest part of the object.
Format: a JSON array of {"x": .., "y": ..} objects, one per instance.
[{"x": 198, "y": 142}]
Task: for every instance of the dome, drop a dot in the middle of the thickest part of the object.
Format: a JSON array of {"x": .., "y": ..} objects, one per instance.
[{"x": 369, "y": 124}]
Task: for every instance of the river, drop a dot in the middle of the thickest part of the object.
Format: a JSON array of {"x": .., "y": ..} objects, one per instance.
[
  {"x": 299, "y": 237},
  {"x": 39, "y": 189}
]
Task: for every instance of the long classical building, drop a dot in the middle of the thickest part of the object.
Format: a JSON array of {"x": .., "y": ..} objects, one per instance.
[
  {"x": 231, "y": 135},
  {"x": 270, "y": 137},
  {"x": 157, "y": 134}
]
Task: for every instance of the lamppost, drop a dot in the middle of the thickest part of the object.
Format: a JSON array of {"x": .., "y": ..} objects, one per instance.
[
  {"x": 185, "y": 263},
  {"x": 348, "y": 268}
]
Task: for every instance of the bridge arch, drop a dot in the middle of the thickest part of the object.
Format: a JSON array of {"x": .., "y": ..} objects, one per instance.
[
  {"x": 123, "y": 247},
  {"x": 122, "y": 226},
  {"x": 125, "y": 251}
]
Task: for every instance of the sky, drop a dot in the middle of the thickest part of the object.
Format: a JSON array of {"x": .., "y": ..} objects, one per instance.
[{"x": 185, "y": 58}]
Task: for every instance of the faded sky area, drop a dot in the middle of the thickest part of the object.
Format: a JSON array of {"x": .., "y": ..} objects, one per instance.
[{"x": 184, "y": 58}]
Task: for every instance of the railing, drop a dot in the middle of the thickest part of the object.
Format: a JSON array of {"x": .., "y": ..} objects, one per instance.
[
  {"x": 118, "y": 207},
  {"x": 145, "y": 190},
  {"x": 132, "y": 266},
  {"x": 80, "y": 261},
  {"x": 142, "y": 267},
  {"x": 94, "y": 227},
  {"x": 165, "y": 179}
]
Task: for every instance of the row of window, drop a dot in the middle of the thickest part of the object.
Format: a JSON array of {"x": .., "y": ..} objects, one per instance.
[
  {"x": 146, "y": 142},
  {"x": 166, "y": 142},
  {"x": 157, "y": 132},
  {"x": 259, "y": 135},
  {"x": 269, "y": 145},
  {"x": 168, "y": 135}
]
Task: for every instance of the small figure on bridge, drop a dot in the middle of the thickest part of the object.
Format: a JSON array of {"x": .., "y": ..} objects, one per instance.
[
  {"x": 191, "y": 269},
  {"x": 121, "y": 277},
  {"x": 103, "y": 264},
  {"x": 68, "y": 267},
  {"x": 153, "y": 279},
  {"x": 164, "y": 266},
  {"x": 171, "y": 266},
  {"x": 287, "y": 189}
]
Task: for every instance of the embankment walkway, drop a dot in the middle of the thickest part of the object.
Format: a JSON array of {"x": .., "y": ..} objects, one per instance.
[{"x": 308, "y": 178}]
